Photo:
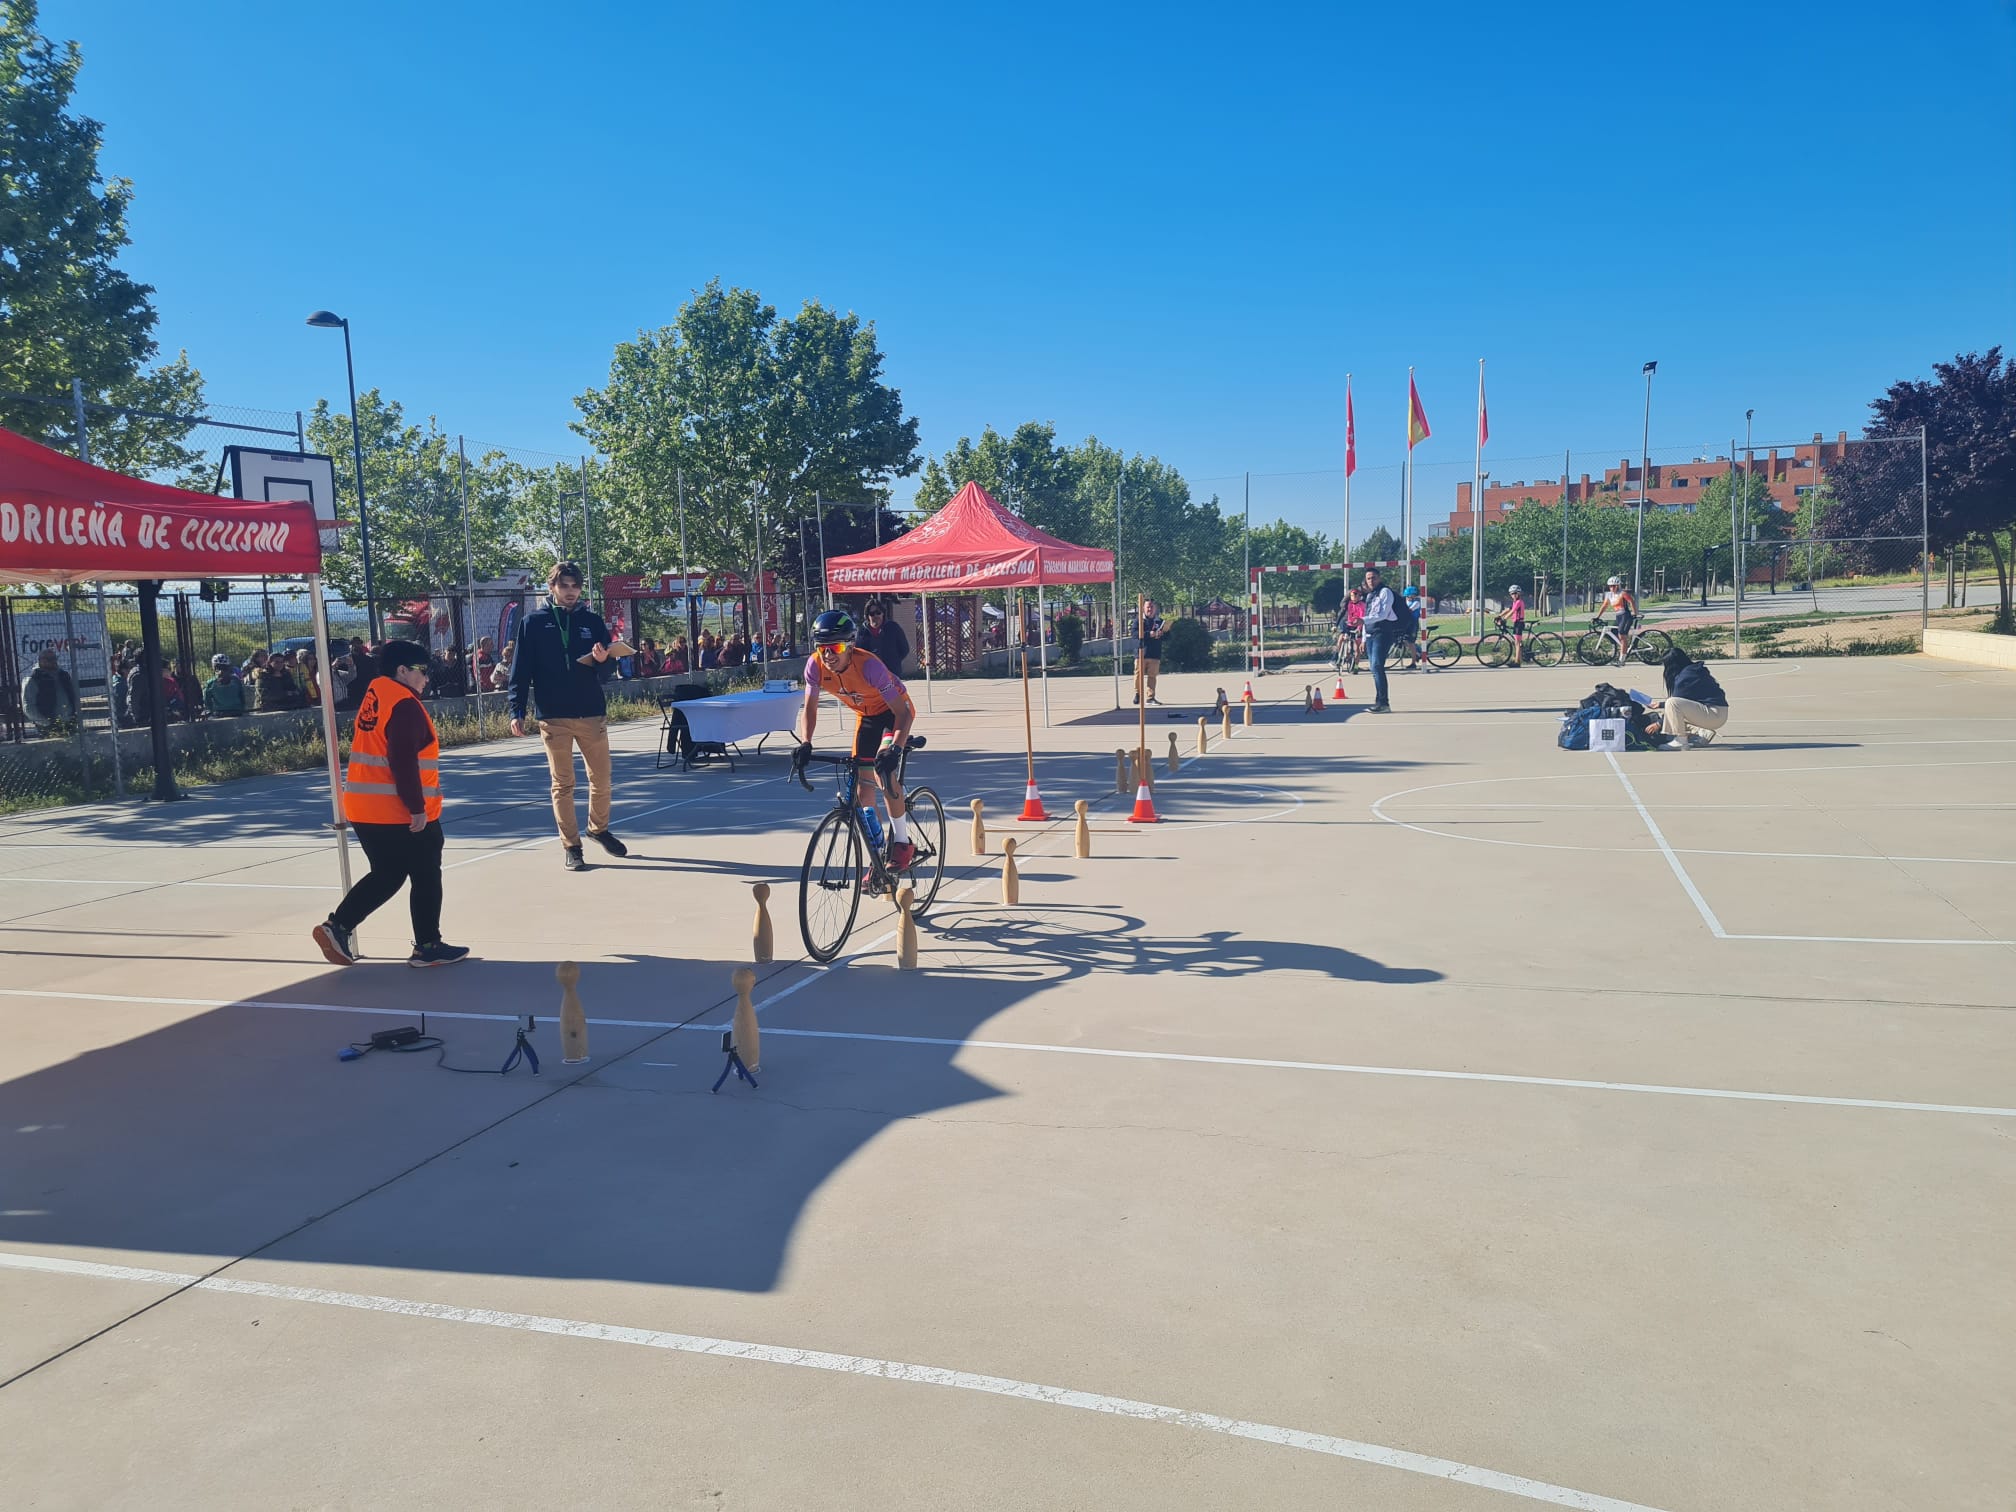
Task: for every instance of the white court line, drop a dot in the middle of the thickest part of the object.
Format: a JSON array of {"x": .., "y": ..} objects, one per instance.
[
  {"x": 857, "y": 1365},
  {"x": 1174, "y": 1057},
  {"x": 135, "y": 881},
  {"x": 1715, "y": 925}
]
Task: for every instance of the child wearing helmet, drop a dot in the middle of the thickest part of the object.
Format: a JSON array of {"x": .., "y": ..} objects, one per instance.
[
  {"x": 1618, "y": 603},
  {"x": 1515, "y": 622},
  {"x": 1420, "y": 607}
]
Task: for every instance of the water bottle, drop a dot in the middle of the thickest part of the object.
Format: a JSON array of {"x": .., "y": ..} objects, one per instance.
[{"x": 872, "y": 823}]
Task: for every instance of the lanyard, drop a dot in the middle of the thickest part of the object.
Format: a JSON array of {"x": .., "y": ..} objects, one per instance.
[{"x": 563, "y": 621}]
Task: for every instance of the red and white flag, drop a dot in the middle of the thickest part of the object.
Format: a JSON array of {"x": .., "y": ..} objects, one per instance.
[
  {"x": 1483, "y": 415},
  {"x": 1350, "y": 433}
]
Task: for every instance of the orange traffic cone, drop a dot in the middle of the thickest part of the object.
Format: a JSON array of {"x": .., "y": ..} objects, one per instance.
[
  {"x": 1315, "y": 700},
  {"x": 1338, "y": 696},
  {"x": 1032, "y": 807},
  {"x": 1247, "y": 696},
  {"x": 1144, "y": 807}
]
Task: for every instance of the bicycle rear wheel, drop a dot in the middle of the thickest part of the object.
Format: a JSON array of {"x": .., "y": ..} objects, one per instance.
[
  {"x": 1400, "y": 656},
  {"x": 1653, "y": 647},
  {"x": 926, "y": 817},
  {"x": 1596, "y": 649},
  {"x": 1495, "y": 650},
  {"x": 829, "y": 885},
  {"x": 1445, "y": 651},
  {"x": 1547, "y": 649}
]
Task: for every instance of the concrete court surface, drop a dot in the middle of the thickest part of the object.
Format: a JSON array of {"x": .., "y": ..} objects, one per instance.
[{"x": 1422, "y": 1117}]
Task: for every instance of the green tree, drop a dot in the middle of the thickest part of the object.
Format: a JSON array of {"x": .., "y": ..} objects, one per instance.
[
  {"x": 413, "y": 489},
  {"x": 746, "y": 408},
  {"x": 1283, "y": 545},
  {"x": 1968, "y": 415},
  {"x": 66, "y": 309},
  {"x": 1380, "y": 546}
]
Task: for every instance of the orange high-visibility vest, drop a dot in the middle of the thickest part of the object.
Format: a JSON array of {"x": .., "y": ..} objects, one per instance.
[{"x": 370, "y": 796}]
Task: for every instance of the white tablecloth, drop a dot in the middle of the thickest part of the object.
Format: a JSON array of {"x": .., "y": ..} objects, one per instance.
[{"x": 734, "y": 717}]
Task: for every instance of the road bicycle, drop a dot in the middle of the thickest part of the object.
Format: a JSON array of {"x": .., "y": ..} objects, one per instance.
[
  {"x": 1405, "y": 655},
  {"x": 841, "y": 863},
  {"x": 1544, "y": 648},
  {"x": 1603, "y": 646}
]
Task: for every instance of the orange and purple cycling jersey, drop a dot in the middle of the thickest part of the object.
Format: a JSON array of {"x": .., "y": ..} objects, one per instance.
[{"x": 864, "y": 685}]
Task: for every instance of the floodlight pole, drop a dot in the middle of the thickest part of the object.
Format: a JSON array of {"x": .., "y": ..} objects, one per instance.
[
  {"x": 469, "y": 564},
  {"x": 363, "y": 511},
  {"x": 319, "y": 614},
  {"x": 1644, "y": 491}
]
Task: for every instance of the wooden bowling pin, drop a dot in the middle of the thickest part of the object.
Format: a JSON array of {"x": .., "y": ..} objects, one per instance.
[
  {"x": 1249, "y": 713},
  {"x": 1144, "y": 770},
  {"x": 1083, "y": 843},
  {"x": 1225, "y": 731},
  {"x": 1203, "y": 734},
  {"x": 979, "y": 831},
  {"x": 573, "y": 1021},
  {"x": 1123, "y": 774},
  {"x": 766, "y": 936},
  {"x": 1175, "y": 761},
  {"x": 748, "y": 1038},
  {"x": 1011, "y": 879},
  {"x": 906, "y": 930}
]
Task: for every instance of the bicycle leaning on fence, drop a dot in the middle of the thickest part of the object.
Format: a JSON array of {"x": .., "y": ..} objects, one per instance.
[
  {"x": 844, "y": 860},
  {"x": 1603, "y": 646},
  {"x": 1424, "y": 645}
]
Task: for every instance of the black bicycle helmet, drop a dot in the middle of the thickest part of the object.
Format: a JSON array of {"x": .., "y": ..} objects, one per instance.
[{"x": 833, "y": 627}]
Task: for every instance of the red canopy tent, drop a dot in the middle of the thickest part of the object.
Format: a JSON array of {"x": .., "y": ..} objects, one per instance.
[
  {"x": 974, "y": 543},
  {"x": 64, "y": 521}
]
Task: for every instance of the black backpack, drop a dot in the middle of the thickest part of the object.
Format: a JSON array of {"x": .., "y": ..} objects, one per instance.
[{"x": 1406, "y": 619}]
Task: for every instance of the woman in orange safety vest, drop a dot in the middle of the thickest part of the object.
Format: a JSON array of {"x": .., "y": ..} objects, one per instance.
[{"x": 392, "y": 799}]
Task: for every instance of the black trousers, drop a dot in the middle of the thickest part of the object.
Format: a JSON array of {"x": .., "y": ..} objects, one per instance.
[{"x": 398, "y": 855}]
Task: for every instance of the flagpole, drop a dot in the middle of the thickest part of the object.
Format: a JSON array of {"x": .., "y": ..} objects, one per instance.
[
  {"x": 1477, "y": 517},
  {"x": 1349, "y": 447},
  {"x": 1407, "y": 494}
]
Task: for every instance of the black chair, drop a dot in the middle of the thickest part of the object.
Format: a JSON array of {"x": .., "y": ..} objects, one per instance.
[{"x": 676, "y": 739}]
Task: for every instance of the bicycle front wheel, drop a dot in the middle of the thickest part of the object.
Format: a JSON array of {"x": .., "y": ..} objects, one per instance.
[
  {"x": 1653, "y": 647},
  {"x": 1596, "y": 649},
  {"x": 926, "y": 816},
  {"x": 1547, "y": 649},
  {"x": 1445, "y": 651},
  {"x": 1495, "y": 650},
  {"x": 1400, "y": 656},
  {"x": 829, "y": 885}
]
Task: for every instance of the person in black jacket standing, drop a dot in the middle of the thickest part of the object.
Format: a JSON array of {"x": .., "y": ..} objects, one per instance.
[
  {"x": 1694, "y": 701},
  {"x": 547, "y": 670},
  {"x": 885, "y": 639}
]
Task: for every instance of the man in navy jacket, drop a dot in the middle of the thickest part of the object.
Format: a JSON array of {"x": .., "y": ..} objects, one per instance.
[{"x": 548, "y": 671}]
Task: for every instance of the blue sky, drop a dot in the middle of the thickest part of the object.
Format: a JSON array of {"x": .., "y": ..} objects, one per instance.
[{"x": 1175, "y": 228}]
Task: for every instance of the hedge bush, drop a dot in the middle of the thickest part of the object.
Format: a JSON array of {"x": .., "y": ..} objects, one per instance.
[
  {"x": 1070, "y": 637},
  {"x": 1186, "y": 646}
]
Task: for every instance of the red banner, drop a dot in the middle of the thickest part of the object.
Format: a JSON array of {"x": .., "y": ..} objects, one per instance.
[{"x": 62, "y": 520}]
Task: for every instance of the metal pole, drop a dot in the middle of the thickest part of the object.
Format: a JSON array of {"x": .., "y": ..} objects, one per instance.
[
  {"x": 588, "y": 546},
  {"x": 686, "y": 584},
  {"x": 319, "y": 613},
  {"x": 1567, "y": 471},
  {"x": 1644, "y": 490},
  {"x": 930, "y": 655},
  {"x": 469, "y": 564},
  {"x": 1925, "y": 534},
  {"x": 1043, "y": 647},
  {"x": 300, "y": 433},
  {"x": 104, "y": 624},
  {"x": 363, "y": 512},
  {"x": 1743, "y": 535},
  {"x": 819, "y": 506},
  {"x": 1477, "y": 518},
  {"x": 1735, "y": 552},
  {"x": 1349, "y": 443},
  {"x": 1119, "y": 539},
  {"x": 762, "y": 627}
]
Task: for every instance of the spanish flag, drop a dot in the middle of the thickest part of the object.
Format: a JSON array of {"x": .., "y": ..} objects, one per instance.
[{"x": 1417, "y": 418}]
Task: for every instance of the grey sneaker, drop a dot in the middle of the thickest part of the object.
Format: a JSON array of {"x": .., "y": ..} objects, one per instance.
[
  {"x": 573, "y": 861},
  {"x": 438, "y": 954}
]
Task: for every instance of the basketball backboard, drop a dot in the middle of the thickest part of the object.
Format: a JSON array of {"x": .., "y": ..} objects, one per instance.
[{"x": 270, "y": 475}]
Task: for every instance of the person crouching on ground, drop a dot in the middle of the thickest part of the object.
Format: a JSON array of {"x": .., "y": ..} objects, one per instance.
[
  {"x": 392, "y": 799},
  {"x": 1694, "y": 701}
]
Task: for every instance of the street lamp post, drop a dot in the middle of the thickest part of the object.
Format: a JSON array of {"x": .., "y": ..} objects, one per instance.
[
  {"x": 1644, "y": 486},
  {"x": 327, "y": 320}
]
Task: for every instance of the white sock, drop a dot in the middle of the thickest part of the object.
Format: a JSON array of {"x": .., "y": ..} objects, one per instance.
[{"x": 900, "y": 828}]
